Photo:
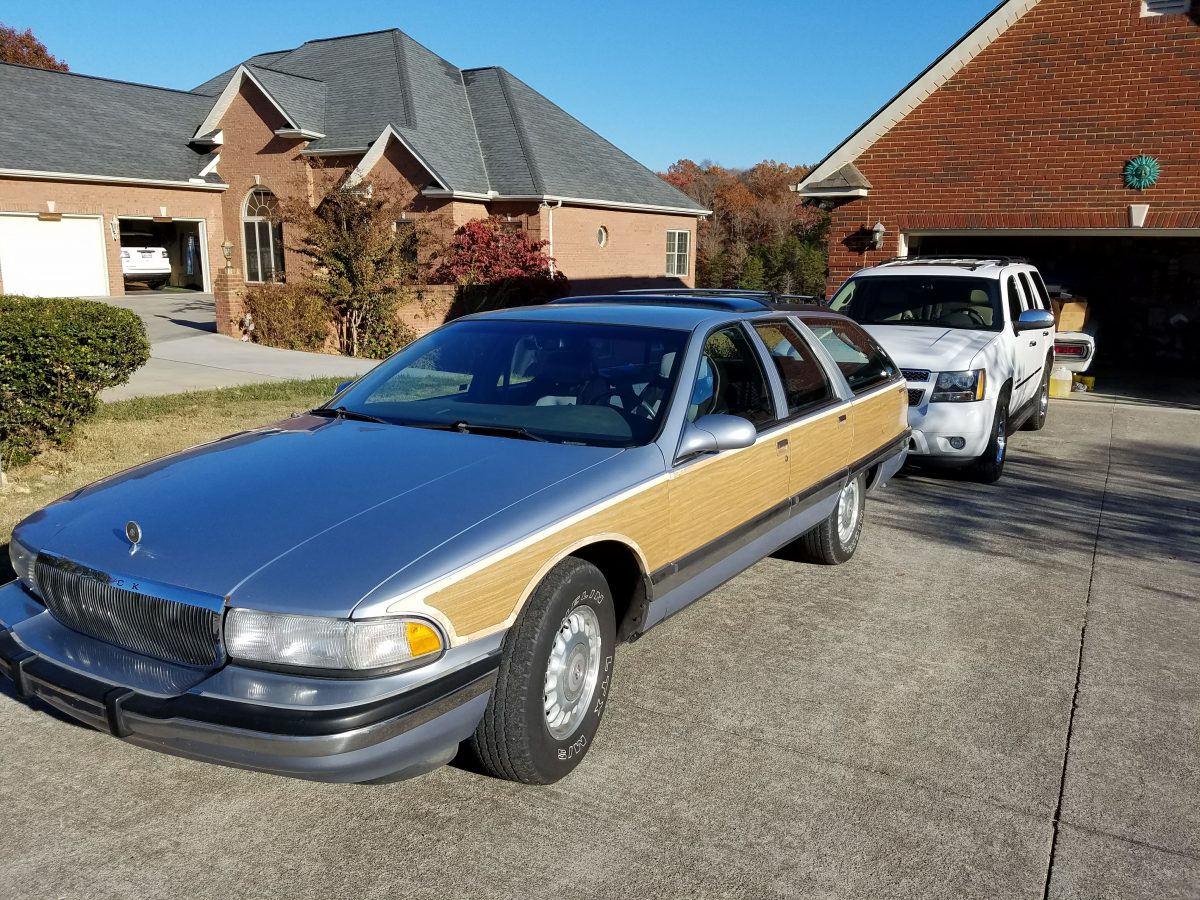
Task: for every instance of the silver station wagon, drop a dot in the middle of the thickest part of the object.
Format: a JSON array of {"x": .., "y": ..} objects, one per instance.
[{"x": 450, "y": 550}]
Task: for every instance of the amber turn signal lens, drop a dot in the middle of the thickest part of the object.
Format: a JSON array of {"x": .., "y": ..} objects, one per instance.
[{"x": 422, "y": 639}]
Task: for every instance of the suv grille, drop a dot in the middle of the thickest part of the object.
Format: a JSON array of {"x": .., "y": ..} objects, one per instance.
[
  {"x": 915, "y": 374},
  {"x": 87, "y": 601},
  {"x": 915, "y": 396}
]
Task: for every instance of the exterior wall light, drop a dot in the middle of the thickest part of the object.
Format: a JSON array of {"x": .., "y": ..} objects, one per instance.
[{"x": 878, "y": 233}]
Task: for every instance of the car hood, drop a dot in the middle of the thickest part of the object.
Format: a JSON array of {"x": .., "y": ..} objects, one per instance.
[
  {"x": 936, "y": 349},
  {"x": 309, "y": 515}
]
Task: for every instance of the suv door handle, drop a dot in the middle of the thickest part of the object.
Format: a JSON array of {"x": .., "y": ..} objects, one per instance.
[{"x": 1033, "y": 343}]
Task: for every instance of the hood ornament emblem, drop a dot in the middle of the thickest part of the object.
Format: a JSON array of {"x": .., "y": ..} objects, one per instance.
[{"x": 133, "y": 533}]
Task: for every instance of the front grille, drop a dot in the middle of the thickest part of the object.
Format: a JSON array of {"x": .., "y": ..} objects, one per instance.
[
  {"x": 915, "y": 395},
  {"x": 915, "y": 374},
  {"x": 88, "y": 602}
]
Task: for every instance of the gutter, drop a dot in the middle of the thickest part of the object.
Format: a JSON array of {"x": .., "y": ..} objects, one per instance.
[
  {"x": 550, "y": 228},
  {"x": 196, "y": 184}
]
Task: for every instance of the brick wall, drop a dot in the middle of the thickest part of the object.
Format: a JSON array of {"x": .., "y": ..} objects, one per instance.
[
  {"x": 1035, "y": 131},
  {"x": 111, "y": 201}
]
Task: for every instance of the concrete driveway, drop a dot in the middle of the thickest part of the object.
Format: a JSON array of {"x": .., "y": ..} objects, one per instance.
[
  {"x": 999, "y": 696},
  {"x": 187, "y": 354}
]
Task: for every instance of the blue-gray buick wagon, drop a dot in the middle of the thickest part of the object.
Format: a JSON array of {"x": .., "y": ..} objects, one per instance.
[{"x": 450, "y": 550}]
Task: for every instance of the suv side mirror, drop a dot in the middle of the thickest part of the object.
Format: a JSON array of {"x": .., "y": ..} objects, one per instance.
[
  {"x": 1034, "y": 319},
  {"x": 714, "y": 433}
]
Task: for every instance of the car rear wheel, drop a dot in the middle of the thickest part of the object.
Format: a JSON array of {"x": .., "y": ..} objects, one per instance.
[
  {"x": 555, "y": 672},
  {"x": 989, "y": 465},
  {"x": 834, "y": 541},
  {"x": 1037, "y": 421}
]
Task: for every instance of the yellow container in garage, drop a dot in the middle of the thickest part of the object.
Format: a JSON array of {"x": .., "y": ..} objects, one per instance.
[
  {"x": 1088, "y": 381},
  {"x": 1060, "y": 382}
]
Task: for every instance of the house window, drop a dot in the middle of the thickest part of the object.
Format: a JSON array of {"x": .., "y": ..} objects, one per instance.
[
  {"x": 1165, "y": 7},
  {"x": 677, "y": 252},
  {"x": 263, "y": 232},
  {"x": 602, "y": 236}
]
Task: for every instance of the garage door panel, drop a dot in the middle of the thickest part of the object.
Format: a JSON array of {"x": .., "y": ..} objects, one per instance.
[{"x": 53, "y": 259}]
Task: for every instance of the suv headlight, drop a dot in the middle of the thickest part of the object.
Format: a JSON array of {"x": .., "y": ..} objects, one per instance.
[
  {"x": 343, "y": 645},
  {"x": 958, "y": 387},
  {"x": 24, "y": 563}
]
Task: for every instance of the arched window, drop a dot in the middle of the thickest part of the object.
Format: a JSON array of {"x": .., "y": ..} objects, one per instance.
[{"x": 263, "y": 232}]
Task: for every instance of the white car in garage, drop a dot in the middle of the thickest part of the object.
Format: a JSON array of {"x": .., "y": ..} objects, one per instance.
[
  {"x": 975, "y": 339},
  {"x": 143, "y": 262}
]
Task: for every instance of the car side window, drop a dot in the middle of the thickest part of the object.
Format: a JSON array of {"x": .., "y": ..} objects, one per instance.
[
  {"x": 805, "y": 383},
  {"x": 1043, "y": 294},
  {"x": 1034, "y": 302},
  {"x": 731, "y": 380},
  {"x": 1014, "y": 299},
  {"x": 861, "y": 360}
]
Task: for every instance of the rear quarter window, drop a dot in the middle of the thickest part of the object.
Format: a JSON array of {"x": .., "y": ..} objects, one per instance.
[{"x": 863, "y": 362}]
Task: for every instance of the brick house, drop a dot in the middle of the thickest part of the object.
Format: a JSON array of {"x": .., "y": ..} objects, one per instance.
[
  {"x": 90, "y": 168},
  {"x": 1016, "y": 142}
]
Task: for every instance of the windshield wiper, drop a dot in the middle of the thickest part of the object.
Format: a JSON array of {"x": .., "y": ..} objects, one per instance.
[
  {"x": 506, "y": 430},
  {"x": 340, "y": 412}
]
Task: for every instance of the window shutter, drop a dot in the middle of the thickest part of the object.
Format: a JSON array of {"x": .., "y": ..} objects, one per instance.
[{"x": 1165, "y": 7}]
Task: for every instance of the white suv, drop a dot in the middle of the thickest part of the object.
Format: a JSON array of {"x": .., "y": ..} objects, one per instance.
[{"x": 975, "y": 338}]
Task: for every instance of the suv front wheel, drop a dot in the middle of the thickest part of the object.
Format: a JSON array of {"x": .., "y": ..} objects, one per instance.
[{"x": 989, "y": 465}]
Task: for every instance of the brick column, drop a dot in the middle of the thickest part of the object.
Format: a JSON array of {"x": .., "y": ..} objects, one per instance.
[{"x": 227, "y": 289}]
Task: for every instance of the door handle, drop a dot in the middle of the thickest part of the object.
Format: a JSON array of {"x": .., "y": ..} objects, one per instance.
[
  {"x": 781, "y": 445},
  {"x": 841, "y": 420},
  {"x": 1033, "y": 343}
]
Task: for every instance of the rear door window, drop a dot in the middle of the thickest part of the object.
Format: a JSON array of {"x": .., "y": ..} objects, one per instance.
[
  {"x": 1015, "y": 301},
  {"x": 805, "y": 383},
  {"x": 731, "y": 380},
  {"x": 1030, "y": 294},
  {"x": 861, "y": 360}
]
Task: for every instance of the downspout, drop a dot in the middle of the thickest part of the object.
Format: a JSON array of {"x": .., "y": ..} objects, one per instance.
[{"x": 550, "y": 228}]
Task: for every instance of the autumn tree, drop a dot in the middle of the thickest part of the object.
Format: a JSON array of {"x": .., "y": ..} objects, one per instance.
[
  {"x": 26, "y": 50},
  {"x": 760, "y": 231}
]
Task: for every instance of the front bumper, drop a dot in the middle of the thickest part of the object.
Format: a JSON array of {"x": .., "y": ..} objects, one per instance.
[
  {"x": 363, "y": 732},
  {"x": 935, "y": 424}
]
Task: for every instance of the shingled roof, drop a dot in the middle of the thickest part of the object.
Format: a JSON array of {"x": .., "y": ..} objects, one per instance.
[
  {"x": 72, "y": 124},
  {"x": 480, "y": 132}
]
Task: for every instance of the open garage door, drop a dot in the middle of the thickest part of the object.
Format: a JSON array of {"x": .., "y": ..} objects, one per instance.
[
  {"x": 158, "y": 253},
  {"x": 1143, "y": 293},
  {"x": 53, "y": 258}
]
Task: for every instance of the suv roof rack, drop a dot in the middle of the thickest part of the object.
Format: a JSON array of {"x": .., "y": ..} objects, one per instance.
[
  {"x": 963, "y": 260},
  {"x": 765, "y": 296}
]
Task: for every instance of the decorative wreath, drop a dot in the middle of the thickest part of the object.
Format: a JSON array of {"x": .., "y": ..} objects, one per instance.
[{"x": 1141, "y": 172}]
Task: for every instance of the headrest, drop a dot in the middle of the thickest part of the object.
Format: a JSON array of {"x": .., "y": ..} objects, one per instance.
[{"x": 664, "y": 366}]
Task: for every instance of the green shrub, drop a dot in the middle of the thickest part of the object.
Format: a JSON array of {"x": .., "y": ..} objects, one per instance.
[
  {"x": 292, "y": 316},
  {"x": 56, "y": 355}
]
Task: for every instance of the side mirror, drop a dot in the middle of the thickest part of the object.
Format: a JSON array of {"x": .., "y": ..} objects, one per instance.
[
  {"x": 1034, "y": 320},
  {"x": 714, "y": 433},
  {"x": 342, "y": 385}
]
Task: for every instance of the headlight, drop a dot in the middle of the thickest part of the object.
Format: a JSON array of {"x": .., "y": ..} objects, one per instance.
[
  {"x": 958, "y": 387},
  {"x": 24, "y": 563},
  {"x": 315, "y": 642}
]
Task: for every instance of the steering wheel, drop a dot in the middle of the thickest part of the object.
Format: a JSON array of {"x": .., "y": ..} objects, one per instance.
[
  {"x": 975, "y": 315},
  {"x": 599, "y": 391}
]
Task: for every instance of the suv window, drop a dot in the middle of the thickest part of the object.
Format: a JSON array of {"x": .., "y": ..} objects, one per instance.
[
  {"x": 731, "y": 380},
  {"x": 942, "y": 301},
  {"x": 1015, "y": 301},
  {"x": 1042, "y": 293},
  {"x": 861, "y": 360},
  {"x": 804, "y": 380},
  {"x": 1031, "y": 297}
]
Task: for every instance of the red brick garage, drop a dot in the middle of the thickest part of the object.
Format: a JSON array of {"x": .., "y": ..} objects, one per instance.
[{"x": 1016, "y": 141}]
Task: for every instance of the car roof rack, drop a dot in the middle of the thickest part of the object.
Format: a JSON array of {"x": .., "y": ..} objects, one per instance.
[
  {"x": 767, "y": 296},
  {"x": 965, "y": 261},
  {"x": 734, "y": 303}
]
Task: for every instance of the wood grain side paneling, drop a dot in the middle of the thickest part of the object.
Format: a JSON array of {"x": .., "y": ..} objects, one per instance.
[
  {"x": 878, "y": 419},
  {"x": 819, "y": 447},
  {"x": 713, "y": 496}
]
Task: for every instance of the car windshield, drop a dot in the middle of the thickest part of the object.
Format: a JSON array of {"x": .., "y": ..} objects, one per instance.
[
  {"x": 569, "y": 382},
  {"x": 942, "y": 301}
]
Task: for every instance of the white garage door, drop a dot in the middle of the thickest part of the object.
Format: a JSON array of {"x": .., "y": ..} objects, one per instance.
[{"x": 52, "y": 259}]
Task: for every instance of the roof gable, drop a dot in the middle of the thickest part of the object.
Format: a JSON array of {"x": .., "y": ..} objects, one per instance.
[{"x": 945, "y": 67}]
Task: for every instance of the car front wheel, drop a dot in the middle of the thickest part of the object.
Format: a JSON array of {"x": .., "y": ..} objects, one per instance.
[
  {"x": 834, "y": 541},
  {"x": 555, "y": 673},
  {"x": 989, "y": 465}
]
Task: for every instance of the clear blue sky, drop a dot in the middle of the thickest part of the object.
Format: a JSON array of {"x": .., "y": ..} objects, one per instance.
[{"x": 734, "y": 82}]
